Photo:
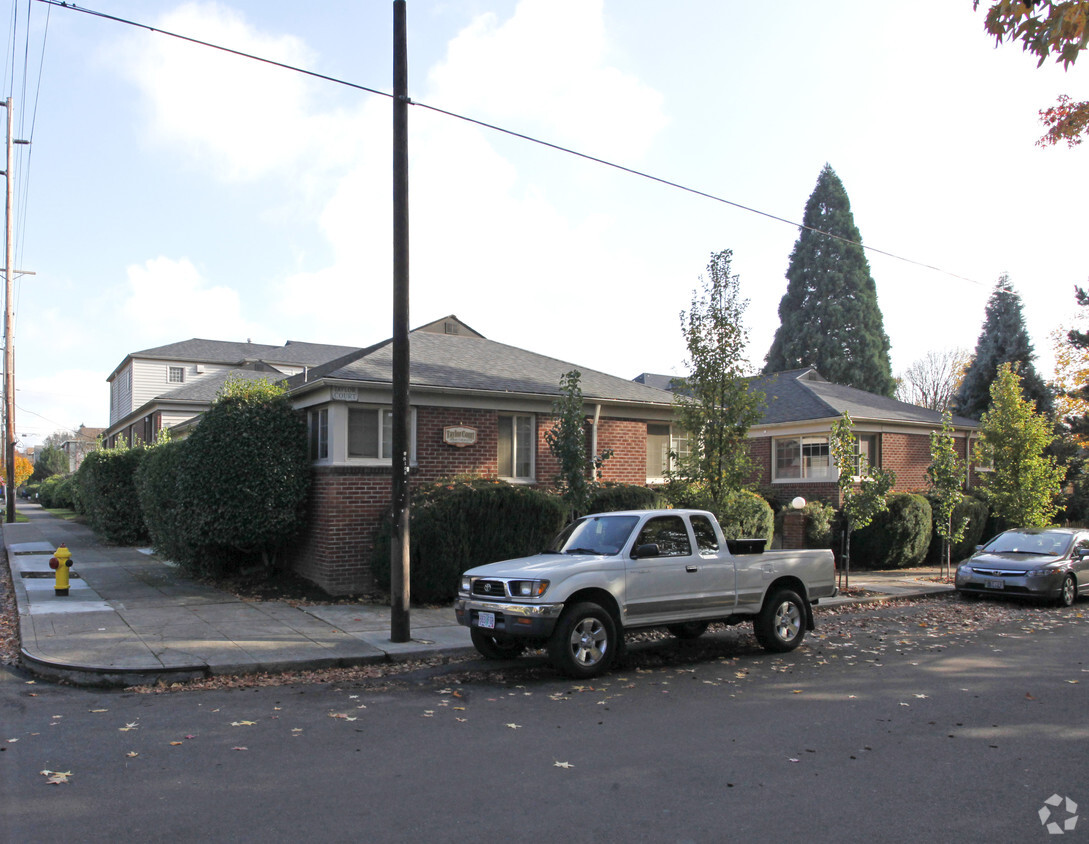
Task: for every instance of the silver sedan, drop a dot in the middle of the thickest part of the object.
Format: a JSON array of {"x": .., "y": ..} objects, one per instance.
[{"x": 1048, "y": 564}]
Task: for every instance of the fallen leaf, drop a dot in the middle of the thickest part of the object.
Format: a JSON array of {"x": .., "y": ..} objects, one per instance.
[
  {"x": 175, "y": 743},
  {"x": 242, "y": 723},
  {"x": 239, "y": 748},
  {"x": 98, "y": 710},
  {"x": 515, "y": 726},
  {"x": 56, "y": 777},
  {"x": 563, "y": 765}
]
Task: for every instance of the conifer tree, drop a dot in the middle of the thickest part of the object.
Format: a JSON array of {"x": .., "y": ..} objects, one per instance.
[
  {"x": 1004, "y": 339},
  {"x": 829, "y": 316}
]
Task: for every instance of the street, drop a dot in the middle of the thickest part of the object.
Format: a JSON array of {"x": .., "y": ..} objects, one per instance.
[{"x": 931, "y": 720}]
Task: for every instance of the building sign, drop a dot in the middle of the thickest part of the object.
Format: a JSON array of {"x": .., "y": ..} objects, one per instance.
[
  {"x": 345, "y": 393},
  {"x": 459, "y": 435}
]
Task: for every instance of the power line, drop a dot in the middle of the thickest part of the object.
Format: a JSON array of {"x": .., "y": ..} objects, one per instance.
[{"x": 511, "y": 133}]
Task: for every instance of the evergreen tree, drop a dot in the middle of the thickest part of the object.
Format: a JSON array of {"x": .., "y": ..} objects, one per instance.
[
  {"x": 1004, "y": 339},
  {"x": 829, "y": 317}
]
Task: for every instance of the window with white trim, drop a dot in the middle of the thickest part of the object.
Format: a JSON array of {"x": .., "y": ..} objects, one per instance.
[
  {"x": 516, "y": 447},
  {"x": 809, "y": 458},
  {"x": 666, "y": 444},
  {"x": 370, "y": 433},
  {"x": 318, "y": 421},
  {"x": 175, "y": 374}
]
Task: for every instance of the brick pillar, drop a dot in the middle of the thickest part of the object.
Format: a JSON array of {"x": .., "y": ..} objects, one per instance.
[{"x": 793, "y": 529}]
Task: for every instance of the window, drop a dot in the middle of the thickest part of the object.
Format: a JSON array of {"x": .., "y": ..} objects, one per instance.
[
  {"x": 706, "y": 538},
  {"x": 516, "y": 447},
  {"x": 370, "y": 433},
  {"x": 669, "y": 534},
  {"x": 810, "y": 458},
  {"x": 175, "y": 374},
  {"x": 663, "y": 442},
  {"x": 319, "y": 433}
]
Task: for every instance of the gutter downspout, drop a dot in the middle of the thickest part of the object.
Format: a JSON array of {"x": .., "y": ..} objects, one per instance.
[{"x": 593, "y": 432}]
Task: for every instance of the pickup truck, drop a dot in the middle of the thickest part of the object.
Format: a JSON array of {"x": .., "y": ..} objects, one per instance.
[{"x": 611, "y": 572}]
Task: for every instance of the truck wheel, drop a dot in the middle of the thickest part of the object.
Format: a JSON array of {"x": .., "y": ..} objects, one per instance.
[
  {"x": 584, "y": 642},
  {"x": 780, "y": 626},
  {"x": 496, "y": 647},
  {"x": 688, "y": 630}
]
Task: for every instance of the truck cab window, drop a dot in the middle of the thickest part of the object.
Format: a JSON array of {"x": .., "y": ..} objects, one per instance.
[{"x": 706, "y": 539}]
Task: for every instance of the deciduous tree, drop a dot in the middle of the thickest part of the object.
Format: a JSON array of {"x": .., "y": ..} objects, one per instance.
[
  {"x": 714, "y": 403},
  {"x": 945, "y": 477},
  {"x": 1004, "y": 339},
  {"x": 1046, "y": 28},
  {"x": 579, "y": 470},
  {"x": 1025, "y": 483},
  {"x": 829, "y": 316},
  {"x": 931, "y": 381},
  {"x": 863, "y": 488}
]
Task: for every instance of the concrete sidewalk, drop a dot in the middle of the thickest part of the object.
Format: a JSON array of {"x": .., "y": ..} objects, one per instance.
[{"x": 131, "y": 619}]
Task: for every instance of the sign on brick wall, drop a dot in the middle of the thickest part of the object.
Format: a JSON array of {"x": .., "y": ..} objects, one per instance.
[{"x": 459, "y": 435}]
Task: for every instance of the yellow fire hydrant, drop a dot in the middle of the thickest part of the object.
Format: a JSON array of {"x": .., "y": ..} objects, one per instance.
[{"x": 60, "y": 562}]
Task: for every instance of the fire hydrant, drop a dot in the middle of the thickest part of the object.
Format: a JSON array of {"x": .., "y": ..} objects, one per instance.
[{"x": 60, "y": 562}]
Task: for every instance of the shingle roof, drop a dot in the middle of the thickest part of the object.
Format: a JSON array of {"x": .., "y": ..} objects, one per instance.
[
  {"x": 229, "y": 352},
  {"x": 802, "y": 394},
  {"x": 207, "y": 388},
  {"x": 476, "y": 363}
]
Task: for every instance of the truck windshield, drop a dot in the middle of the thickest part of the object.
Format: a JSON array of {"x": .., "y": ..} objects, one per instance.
[{"x": 594, "y": 535}]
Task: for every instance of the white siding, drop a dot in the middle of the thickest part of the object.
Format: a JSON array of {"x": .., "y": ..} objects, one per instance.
[
  {"x": 121, "y": 394},
  {"x": 151, "y": 377}
]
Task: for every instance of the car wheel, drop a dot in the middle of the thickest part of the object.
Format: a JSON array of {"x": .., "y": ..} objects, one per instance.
[
  {"x": 688, "y": 630},
  {"x": 496, "y": 647},
  {"x": 584, "y": 642},
  {"x": 780, "y": 626},
  {"x": 1068, "y": 594}
]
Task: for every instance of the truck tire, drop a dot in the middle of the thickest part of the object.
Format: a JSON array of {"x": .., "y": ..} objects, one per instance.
[
  {"x": 688, "y": 630},
  {"x": 780, "y": 626},
  {"x": 584, "y": 642},
  {"x": 496, "y": 647}
]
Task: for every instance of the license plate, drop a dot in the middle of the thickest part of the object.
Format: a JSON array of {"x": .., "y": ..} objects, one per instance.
[
  {"x": 995, "y": 584},
  {"x": 485, "y": 620}
]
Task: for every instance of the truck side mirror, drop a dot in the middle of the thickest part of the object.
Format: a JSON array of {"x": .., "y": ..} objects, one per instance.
[{"x": 650, "y": 549}]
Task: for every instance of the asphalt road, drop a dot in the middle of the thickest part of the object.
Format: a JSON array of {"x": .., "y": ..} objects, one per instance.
[{"x": 899, "y": 725}]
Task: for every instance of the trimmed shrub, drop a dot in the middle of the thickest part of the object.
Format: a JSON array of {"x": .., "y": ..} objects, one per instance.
[
  {"x": 977, "y": 512},
  {"x": 456, "y": 526},
  {"x": 58, "y": 492},
  {"x": 745, "y": 515},
  {"x": 157, "y": 490},
  {"x": 896, "y": 538},
  {"x": 243, "y": 477},
  {"x": 611, "y": 497},
  {"x": 107, "y": 491}
]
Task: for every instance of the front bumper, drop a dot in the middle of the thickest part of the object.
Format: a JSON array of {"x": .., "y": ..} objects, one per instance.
[
  {"x": 529, "y": 620},
  {"x": 1011, "y": 584}
]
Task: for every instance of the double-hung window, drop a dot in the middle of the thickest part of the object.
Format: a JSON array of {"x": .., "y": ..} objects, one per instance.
[
  {"x": 318, "y": 421},
  {"x": 370, "y": 433},
  {"x": 809, "y": 458},
  {"x": 175, "y": 374},
  {"x": 666, "y": 445},
  {"x": 516, "y": 447}
]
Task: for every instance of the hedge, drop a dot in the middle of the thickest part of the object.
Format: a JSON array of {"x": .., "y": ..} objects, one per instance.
[
  {"x": 157, "y": 490},
  {"x": 458, "y": 525},
  {"x": 107, "y": 490},
  {"x": 896, "y": 538},
  {"x": 610, "y": 497}
]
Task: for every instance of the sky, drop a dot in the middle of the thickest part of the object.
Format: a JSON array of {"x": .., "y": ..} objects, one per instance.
[{"x": 173, "y": 191}]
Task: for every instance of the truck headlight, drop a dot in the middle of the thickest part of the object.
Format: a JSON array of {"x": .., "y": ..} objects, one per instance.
[
  {"x": 528, "y": 588},
  {"x": 466, "y": 584}
]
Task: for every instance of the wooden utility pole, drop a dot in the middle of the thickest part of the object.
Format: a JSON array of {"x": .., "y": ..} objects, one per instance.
[
  {"x": 400, "y": 627},
  {"x": 9, "y": 341}
]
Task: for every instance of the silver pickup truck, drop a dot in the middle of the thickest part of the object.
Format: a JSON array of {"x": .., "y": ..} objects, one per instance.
[{"x": 612, "y": 572}]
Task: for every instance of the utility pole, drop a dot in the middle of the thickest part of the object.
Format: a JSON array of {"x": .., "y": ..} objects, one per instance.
[
  {"x": 9, "y": 339},
  {"x": 400, "y": 628}
]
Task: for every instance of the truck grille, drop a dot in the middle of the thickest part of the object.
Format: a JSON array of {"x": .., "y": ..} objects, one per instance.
[{"x": 490, "y": 588}]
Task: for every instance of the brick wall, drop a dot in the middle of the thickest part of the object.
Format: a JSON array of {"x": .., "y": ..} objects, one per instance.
[
  {"x": 347, "y": 502},
  {"x": 908, "y": 455}
]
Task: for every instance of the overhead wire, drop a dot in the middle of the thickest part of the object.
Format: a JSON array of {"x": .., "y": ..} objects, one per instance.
[{"x": 511, "y": 133}]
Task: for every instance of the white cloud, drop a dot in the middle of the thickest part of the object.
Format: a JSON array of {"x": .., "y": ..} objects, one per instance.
[
  {"x": 547, "y": 68},
  {"x": 62, "y": 400},
  {"x": 170, "y": 299}
]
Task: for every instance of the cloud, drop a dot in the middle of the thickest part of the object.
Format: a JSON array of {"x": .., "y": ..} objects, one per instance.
[
  {"x": 169, "y": 298},
  {"x": 546, "y": 68},
  {"x": 62, "y": 400},
  {"x": 244, "y": 118}
]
